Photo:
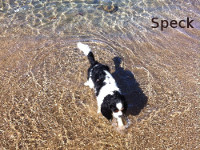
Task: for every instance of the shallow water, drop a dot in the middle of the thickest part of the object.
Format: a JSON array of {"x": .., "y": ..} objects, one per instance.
[{"x": 43, "y": 101}]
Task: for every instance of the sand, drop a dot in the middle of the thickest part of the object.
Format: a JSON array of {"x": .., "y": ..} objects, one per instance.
[
  {"x": 44, "y": 104},
  {"x": 43, "y": 101}
]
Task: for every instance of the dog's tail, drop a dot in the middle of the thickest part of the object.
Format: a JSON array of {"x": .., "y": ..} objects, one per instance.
[{"x": 87, "y": 51}]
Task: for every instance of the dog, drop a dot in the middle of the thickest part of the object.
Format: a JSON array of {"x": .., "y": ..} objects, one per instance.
[{"x": 111, "y": 103}]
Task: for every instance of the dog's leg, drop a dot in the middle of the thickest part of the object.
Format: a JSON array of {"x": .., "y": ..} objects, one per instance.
[
  {"x": 99, "y": 106},
  {"x": 89, "y": 83},
  {"x": 99, "y": 103}
]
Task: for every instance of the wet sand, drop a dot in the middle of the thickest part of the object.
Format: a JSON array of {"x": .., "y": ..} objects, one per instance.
[{"x": 44, "y": 104}]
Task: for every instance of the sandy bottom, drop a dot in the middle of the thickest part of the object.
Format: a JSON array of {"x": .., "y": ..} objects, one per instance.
[{"x": 44, "y": 104}]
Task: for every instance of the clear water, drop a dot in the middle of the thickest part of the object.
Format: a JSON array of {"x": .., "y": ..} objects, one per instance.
[
  {"x": 132, "y": 20},
  {"x": 42, "y": 98}
]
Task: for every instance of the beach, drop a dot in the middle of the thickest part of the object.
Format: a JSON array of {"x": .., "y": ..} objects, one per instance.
[{"x": 43, "y": 101}]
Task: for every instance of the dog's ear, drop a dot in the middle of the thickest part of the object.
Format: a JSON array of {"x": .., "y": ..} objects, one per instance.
[
  {"x": 107, "y": 68},
  {"x": 106, "y": 111}
]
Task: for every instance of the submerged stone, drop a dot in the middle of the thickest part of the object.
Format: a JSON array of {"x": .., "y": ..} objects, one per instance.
[{"x": 109, "y": 8}]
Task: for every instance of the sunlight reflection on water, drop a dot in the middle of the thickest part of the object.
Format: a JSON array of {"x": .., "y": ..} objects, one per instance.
[{"x": 43, "y": 99}]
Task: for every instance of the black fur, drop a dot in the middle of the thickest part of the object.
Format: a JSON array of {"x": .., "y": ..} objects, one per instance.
[
  {"x": 91, "y": 58},
  {"x": 105, "y": 109},
  {"x": 96, "y": 71}
]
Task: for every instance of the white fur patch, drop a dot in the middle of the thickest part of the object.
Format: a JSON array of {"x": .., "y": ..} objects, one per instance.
[
  {"x": 119, "y": 106},
  {"x": 117, "y": 114},
  {"x": 109, "y": 87},
  {"x": 120, "y": 122},
  {"x": 89, "y": 83},
  {"x": 83, "y": 47}
]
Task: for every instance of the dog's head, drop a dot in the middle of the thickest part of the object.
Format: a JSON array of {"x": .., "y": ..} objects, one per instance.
[
  {"x": 118, "y": 106},
  {"x": 114, "y": 106}
]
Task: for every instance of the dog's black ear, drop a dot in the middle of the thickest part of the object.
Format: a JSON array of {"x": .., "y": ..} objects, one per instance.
[
  {"x": 107, "y": 68},
  {"x": 106, "y": 111}
]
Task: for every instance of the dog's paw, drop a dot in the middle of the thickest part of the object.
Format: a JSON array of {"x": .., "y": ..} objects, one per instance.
[
  {"x": 114, "y": 124},
  {"x": 121, "y": 128},
  {"x": 89, "y": 83},
  {"x": 98, "y": 109},
  {"x": 86, "y": 83}
]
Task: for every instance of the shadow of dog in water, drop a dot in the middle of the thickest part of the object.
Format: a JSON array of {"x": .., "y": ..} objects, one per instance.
[{"x": 130, "y": 88}]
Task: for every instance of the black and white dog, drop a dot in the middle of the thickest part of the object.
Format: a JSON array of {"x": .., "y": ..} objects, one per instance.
[{"x": 111, "y": 103}]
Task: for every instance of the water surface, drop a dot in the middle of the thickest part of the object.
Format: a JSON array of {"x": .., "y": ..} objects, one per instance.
[{"x": 43, "y": 103}]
